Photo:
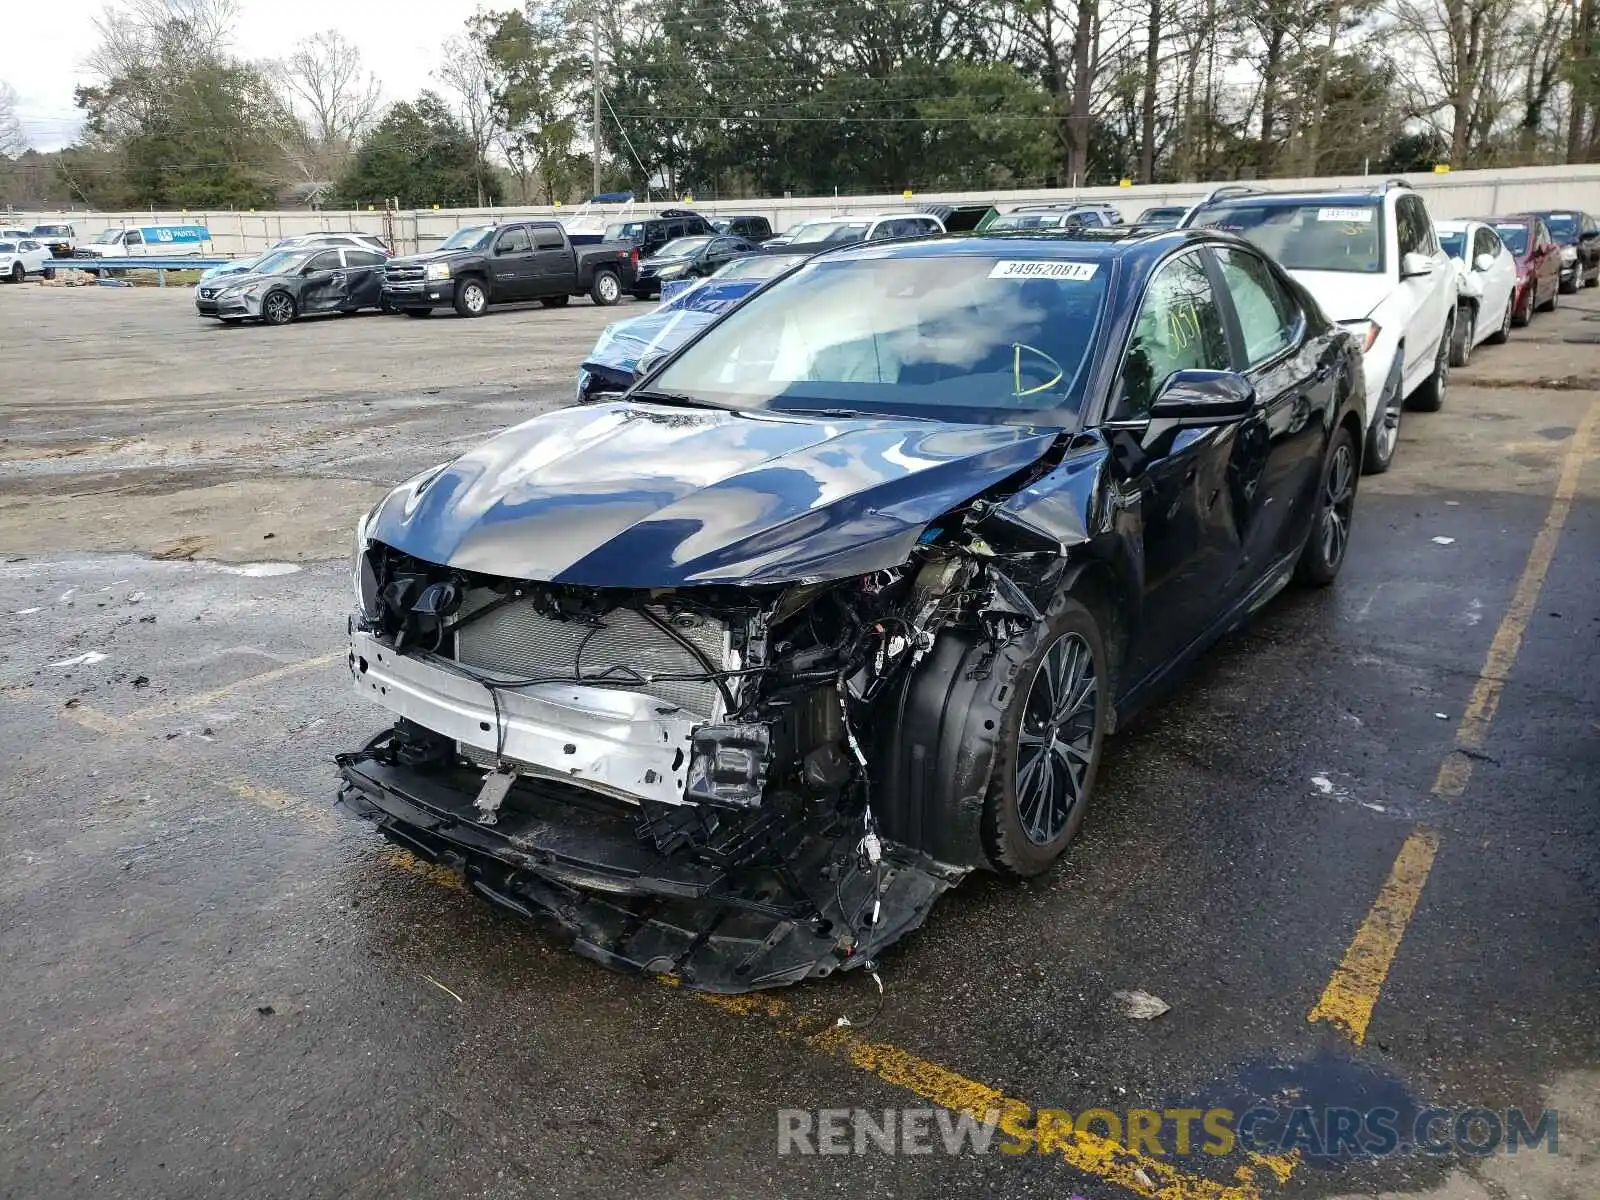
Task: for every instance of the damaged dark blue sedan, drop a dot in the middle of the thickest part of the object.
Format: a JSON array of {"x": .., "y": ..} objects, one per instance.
[{"x": 732, "y": 677}]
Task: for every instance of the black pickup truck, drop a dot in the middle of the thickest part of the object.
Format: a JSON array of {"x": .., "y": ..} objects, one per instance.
[{"x": 520, "y": 260}]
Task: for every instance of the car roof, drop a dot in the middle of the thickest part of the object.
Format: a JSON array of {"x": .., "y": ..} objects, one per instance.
[
  {"x": 1109, "y": 245},
  {"x": 1353, "y": 198}
]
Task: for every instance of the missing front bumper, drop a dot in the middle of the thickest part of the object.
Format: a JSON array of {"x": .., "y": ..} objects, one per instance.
[{"x": 769, "y": 906}]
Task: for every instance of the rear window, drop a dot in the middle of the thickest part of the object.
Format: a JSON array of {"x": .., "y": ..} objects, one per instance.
[{"x": 1315, "y": 235}]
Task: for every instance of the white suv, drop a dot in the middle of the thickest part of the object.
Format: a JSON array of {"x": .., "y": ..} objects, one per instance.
[
  {"x": 849, "y": 230},
  {"x": 1373, "y": 262},
  {"x": 20, "y": 258}
]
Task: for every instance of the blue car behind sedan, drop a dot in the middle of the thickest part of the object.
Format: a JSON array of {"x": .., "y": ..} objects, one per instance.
[{"x": 684, "y": 311}]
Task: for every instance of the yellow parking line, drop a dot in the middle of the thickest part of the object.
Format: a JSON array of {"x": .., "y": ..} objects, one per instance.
[
  {"x": 201, "y": 699},
  {"x": 1347, "y": 1002},
  {"x": 1102, "y": 1157},
  {"x": 1348, "y": 999},
  {"x": 1473, "y": 732}
]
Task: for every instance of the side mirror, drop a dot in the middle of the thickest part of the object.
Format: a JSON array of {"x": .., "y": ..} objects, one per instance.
[
  {"x": 1414, "y": 264},
  {"x": 1483, "y": 262},
  {"x": 1201, "y": 397}
]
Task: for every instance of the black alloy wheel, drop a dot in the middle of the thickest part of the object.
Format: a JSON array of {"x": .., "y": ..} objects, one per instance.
[
  {"x": 277, "y": 308},
  {"x": 1048, "y": 743}
]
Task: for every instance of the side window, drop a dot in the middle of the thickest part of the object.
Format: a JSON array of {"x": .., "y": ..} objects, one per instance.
[
  {"x": 1408, "y": 230},
  {"x": 677, "y": 230},
  {"x": 328, "y": 260},
  {"x": 1267, "y": 316},
  {"x": 546, "y": 238},
  {"x": 1179, "y": 327},
  {"x": 1483, "y": 242},
  {"x": 133, "y": 238},
  {"x": 513, "y": 241},
  {"x": 27, "y": 245},
  {"x": 362, "y": 258},
  {"x": 1541, "y": 235},
  {"x": 927, "y": 226}
]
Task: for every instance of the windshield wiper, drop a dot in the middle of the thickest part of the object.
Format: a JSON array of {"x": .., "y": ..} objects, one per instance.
[{"x": 674, "y": 398}]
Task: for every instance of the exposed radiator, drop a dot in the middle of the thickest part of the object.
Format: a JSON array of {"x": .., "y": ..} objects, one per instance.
[{"x": 518, "y": 640}]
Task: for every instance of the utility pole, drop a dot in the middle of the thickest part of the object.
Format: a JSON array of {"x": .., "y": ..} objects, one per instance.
[{"x": 594, "y": 72}]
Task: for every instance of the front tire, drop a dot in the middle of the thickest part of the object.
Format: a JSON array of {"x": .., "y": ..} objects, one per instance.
[
  {"x": 1383, "y": 435},
  {"x": 1430, "y": 396},
  {"x": 18, "y": 273},
  {"x": 1555, "y": 298},
  {"x": 1466, "y": 327},
  {"x": 605, "y": 289},
  {"x": 472, "y": 298},
  {"x": 278, "y": 308},
  {"x": 1050, "y": 738},
  {"x": 1336, "y": 502}
]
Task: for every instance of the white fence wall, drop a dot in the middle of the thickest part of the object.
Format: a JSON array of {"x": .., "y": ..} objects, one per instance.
[{"x": 1456, "y": 194}]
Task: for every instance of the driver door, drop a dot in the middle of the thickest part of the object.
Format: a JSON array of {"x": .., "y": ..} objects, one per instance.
[
  {"x": 324, "y": 283},
  {"x": 1178, "y": 483},
  {"x": 514, "y": 265}
]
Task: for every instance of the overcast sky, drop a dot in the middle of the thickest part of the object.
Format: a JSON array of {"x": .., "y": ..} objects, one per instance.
[{"x": 400, "y": 41}]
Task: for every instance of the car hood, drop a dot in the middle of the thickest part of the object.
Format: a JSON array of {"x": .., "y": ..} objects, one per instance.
[
  {"x": 243, "y": 279},
  {"x": 430, "y": 256},
  {"x": 636, "y": 495},
  {"x": 1346, "y": 295}
]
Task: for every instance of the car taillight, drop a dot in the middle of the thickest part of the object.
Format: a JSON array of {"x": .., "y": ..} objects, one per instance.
[{"x": 633, "y": 256}]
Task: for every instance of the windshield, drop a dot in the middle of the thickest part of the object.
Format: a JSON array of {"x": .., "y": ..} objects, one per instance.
[
  {"x": 107, "y": 236},
  {"x": 831, "y": 232},
  {"x": 1307, "y": 237},
  {"x": 759, "y": 266},
  {"x": 961, "y": 337},
  {"x": 1454, "y": 244},
  {"x": 1161, "y": 216},
  {"x": 682, "y": 247},
  {"x": 280, "y": 262},
  {"x": 470, "y": 238},
  {"x": 1515, "y": 237},
  {"x": 1563, "y": 226},
  {"x": 48, "y": 230}
]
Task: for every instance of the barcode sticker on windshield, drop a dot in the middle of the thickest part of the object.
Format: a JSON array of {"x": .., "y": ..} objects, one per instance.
[
  {"x": 1344, "y": 214},
  {"x": 1070, "y": 272}
]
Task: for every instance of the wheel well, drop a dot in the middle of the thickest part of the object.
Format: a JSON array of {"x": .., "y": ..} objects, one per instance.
[
  {"x": 1352, "y": 422},
  {"x": 1096, "y": 587}
]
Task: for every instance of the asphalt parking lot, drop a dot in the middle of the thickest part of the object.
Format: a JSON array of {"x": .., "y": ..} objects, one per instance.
[{"x": 1358, "y": 853}]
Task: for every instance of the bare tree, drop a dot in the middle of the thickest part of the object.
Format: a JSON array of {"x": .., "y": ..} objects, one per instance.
[
  {"x": 331, "y": 101},
  {"x": 12, "y": 140},
  {"x": 470, "y": 77},
  {"x": 1454, "y": 76}
]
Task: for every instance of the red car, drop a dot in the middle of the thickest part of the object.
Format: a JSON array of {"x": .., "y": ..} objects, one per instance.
[{"x": 1538, "y": 263}]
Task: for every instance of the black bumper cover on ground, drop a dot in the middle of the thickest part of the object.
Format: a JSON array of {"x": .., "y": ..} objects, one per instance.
[{"x": 559, "y": 855}]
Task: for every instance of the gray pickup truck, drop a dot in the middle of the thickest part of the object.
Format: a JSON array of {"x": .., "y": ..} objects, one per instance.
[{"x": 519, "y": 260}]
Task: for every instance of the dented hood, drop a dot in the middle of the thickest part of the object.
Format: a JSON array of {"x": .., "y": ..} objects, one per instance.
[{"x": 638, "y": 495}]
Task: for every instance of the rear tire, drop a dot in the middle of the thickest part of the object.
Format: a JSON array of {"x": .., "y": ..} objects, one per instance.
[
  {"x": 1330, "y": 528},
  {"x": 1461, "y": 336},
  {"x": 1049, "y": 744},
  {"x": 1522, "y": 316},
  {"x": 1430, "y": 396},
  {"x": 472, "y": 298},
  {"x": 554, "y": 301},
  {"x": 605, "y": 289}
]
